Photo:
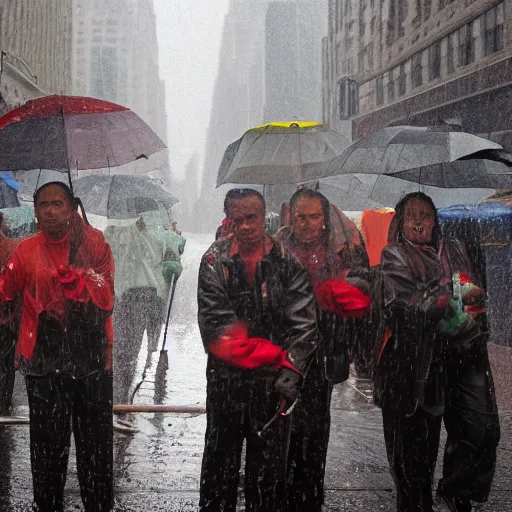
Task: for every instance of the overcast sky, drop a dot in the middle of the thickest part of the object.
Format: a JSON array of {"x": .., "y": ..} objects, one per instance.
[{"x": 189, "y": 33}]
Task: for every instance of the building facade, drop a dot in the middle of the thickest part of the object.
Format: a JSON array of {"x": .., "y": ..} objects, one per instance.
[
  {"x": 115, "y": 58},
  {"x": 429, "y": 62},
  {"x": 293, "y": 60},
  {"x": 35, "y": 40}
]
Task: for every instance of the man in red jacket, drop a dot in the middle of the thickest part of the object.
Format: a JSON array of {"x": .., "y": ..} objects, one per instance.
[{"x": 64, "y": 276}]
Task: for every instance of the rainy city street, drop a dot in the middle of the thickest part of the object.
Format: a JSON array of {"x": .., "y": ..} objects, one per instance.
[{"x": 158, "y": 467}]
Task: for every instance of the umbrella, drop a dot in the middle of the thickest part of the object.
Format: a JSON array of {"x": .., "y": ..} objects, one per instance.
[
  {"x": 430, "y": 156},
  {"x": 73, "y": 132},
  {"x": 122, "y": 196},
  {"x": 279, "y": 153}
]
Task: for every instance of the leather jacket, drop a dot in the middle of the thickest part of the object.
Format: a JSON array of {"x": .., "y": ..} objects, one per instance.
[{"x": 279, "y": 307}]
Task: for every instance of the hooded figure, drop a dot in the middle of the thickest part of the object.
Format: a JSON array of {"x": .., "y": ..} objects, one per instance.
[
  {"x": 330, "y": 248},
  {"x": 432, "y": 363}
]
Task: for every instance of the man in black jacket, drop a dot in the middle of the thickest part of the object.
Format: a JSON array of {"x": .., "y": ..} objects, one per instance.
[{"x": 258, "y": 325}]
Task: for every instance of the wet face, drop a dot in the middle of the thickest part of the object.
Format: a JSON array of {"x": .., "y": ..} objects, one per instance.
[
  {"x": 53, "y": 211},
  {"x": 308, "y": 219},
  {"x": 419, "y": 221},
  {"x": 248, "y": 216}
]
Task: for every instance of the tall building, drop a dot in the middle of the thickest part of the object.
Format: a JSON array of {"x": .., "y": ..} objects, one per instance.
[
  {"x": 238, "y": 97},
  {"x": 409, "y": 62},
  {"x": 115, "y": 58},
  {"x": 269, "y": 69},
  {"x": 293, "y": 59},
  {"x": 35, "y": 40}
]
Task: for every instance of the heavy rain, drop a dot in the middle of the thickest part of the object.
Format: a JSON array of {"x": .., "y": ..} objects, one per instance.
[{"x": 255, "y": 255}]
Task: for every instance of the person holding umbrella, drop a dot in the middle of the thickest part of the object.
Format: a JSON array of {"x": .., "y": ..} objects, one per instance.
[
  {"x": 257, "y": 319},
  {"x": 432, "y": 364},
  {"x": 64, "y": 276},
  {"x": 329, "y": 246}
]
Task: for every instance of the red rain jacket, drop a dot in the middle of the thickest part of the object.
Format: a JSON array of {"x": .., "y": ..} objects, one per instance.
[{"x": 39, "y": 271}]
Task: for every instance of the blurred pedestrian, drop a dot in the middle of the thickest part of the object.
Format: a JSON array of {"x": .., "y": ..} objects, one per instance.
[
  {"x": 432, "y": 364},
  {"x": 329, "y": 247},
  {"x": 64, "y": 276},
  {"x": 258, "y": 324},
  {"x": 9, "y": 324},
  {"x": 147, "y": 259}
]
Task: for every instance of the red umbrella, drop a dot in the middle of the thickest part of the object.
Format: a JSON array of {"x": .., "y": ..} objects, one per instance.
[{"x": 73, "y": 132}]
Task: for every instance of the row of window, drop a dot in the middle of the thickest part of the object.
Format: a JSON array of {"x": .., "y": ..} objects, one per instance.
[{"x": 481, "y": 37}]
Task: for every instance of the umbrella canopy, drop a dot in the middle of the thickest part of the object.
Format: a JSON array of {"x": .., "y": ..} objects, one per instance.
[
  {"x": 423, "y": 150},
  {"x": 73, "y": 132},
  {"x": 280, "y": 153},
  {"x": 121, "y": 196}
]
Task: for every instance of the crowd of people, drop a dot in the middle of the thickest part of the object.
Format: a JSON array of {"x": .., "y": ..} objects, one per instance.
[{"x": 281, "y": 318}]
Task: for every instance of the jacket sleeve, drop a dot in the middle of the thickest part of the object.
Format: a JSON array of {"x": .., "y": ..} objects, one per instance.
[
  {"x": 301, "y": 333},
  {"x": 215, "y": 311},
  {"x": 11, "y": 279}
]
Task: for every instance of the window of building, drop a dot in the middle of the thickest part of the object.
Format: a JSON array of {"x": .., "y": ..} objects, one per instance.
[
  {"x": 466, "y": 40},
  {"x": 450, "y": 52},
  {"x": 391, "y": 85},
  {"x": 369, "y": 49},
  {"x": 402, "y": 81},
  {"x": 342, "y": 99},
  {"x": 379, "y": 88},
  {"x": 416, "y": 71},
  {"x": 348, "y": 100},
  {"x": 492, "y": 28},
  {"x": 353, "y": 98},
  {"x": 434, "y": 61}
]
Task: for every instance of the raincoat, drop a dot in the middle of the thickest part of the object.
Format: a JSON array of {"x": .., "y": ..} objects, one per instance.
[
  {"x": 342, "y": 257},
  {"x": 425, "y": 371},
  {"x": 67, "y": 298},
  {"x": 142, "y": 257},
  {"x": 279, "y": 307}
]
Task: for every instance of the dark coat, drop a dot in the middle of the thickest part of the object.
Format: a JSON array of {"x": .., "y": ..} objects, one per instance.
[
  {"x": 339, "y": 337},
  {"x": 410, "y": 368},
  {"x": 280, "y": 307}
]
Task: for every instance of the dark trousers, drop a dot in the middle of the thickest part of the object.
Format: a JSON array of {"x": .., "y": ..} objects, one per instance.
[
  {"x": 7, "y": 370},
  {"x": 308, "y": 453},
  {"x": 137, "y": 310},
  {"x": 412, "y": 443},
  {"x": 59, "y": 405},
  {"x": 472, "y": 424},
  {"x": 237, "y": 408}
]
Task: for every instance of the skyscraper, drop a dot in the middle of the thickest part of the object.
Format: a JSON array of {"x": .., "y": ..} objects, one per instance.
[{"x": 115, "y": 58}]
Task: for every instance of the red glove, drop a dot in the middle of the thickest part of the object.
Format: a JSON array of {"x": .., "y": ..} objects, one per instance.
[
  {"x": 237, "y": 349},
  {"x": 342, "y": 298},
  {"x": 72, "y": 281}
]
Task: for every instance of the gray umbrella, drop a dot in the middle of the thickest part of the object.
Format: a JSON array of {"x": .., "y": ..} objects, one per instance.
[
  {"x": 281, "y": 153},
  {"x": 121, "y": 196},
  {"x": 430, "y": 156}
]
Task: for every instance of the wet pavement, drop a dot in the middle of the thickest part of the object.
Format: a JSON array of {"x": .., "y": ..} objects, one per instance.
[{"x": 157, "y": 468}]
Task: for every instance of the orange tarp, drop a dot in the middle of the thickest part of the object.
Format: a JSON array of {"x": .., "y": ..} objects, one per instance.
[{"x": 375, "y": 227}]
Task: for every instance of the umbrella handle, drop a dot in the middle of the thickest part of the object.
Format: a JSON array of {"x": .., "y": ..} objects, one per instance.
[{"x": 171, "y": 299}]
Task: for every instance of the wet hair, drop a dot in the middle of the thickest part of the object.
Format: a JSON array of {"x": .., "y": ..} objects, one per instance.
[
  {"x": 397, "y": 225},
  {"x": 62, "y": 186},
  {"x": 241, "y": 193},
  {"x": 309, "y": 193}
]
